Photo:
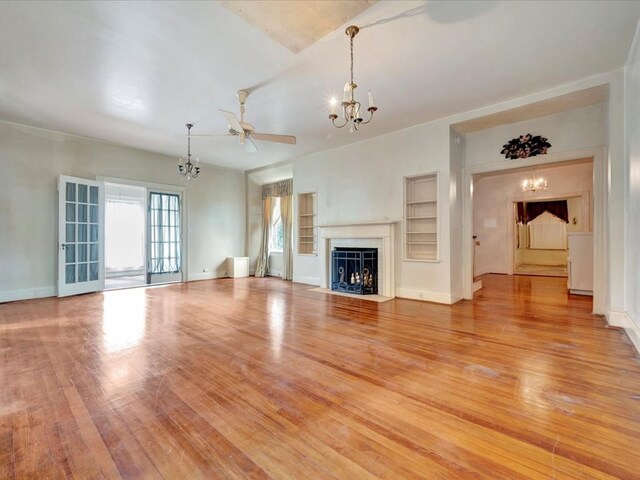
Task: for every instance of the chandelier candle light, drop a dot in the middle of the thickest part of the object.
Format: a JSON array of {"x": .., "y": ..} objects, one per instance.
[
  {"x": 534, "y": 184},
  {"x": 350, "y": 107},
  {"x": 188, "y": 169}
]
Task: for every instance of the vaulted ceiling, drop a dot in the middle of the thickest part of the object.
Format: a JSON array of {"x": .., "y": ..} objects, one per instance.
[{"x": 135, "y": 72}]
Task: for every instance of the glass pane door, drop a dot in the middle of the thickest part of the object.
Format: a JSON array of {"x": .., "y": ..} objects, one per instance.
[
  {"x": 165, "y": 244},
  {"x": 80, "y": 236}
]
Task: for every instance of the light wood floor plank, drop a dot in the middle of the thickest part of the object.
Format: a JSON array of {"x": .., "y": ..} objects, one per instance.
[{"x": 260, "y": 378}]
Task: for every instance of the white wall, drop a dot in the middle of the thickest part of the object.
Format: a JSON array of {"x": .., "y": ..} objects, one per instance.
[
  {"x": 364, "y": 182},
  {"x": 457, "y": 150},
  {"x": 254, "y": 221},
  {"x": 632, "y": 154},
  {"x": 30, "y": 161},
  {"x": 493, "y": 198},
  {"x": 566, "y": 131}
]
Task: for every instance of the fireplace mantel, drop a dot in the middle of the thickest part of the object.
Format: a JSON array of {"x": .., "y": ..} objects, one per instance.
[{"x": 381, "y": 233}]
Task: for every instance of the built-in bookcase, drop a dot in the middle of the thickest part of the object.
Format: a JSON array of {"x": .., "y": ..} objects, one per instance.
[
  {"x": 421, "y": 217},
  {"x": 307, "y": 224}
]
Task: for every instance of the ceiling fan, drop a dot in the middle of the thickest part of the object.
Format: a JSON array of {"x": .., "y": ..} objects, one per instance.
[{"x": 245, "y": 131}]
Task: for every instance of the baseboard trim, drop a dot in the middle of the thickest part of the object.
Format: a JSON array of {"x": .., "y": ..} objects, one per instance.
[
  {"x": 623, "y": 320},
  {"x": 306, "y": 280},
  {"x": 204, "y": 276},
  {"x": 477, "y": 286},
  {"x": 618, "y": 319},
  {"x": 427, "y": 296},
  {"x": 27, "y": 294},
  {"x": 492, "y": 269},
  {"x": 633, "y": 331}
]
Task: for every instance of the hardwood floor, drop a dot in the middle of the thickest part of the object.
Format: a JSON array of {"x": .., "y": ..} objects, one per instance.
[{"x": 259, "y": 378}]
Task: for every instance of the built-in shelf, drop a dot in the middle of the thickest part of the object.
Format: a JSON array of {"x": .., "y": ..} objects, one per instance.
[
  {"x": 421, "y": 217},
  {"x": 307, "y": 224}
]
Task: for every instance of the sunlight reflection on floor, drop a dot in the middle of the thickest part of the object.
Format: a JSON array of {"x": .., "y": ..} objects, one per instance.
[{"x": 124, "y": 319}]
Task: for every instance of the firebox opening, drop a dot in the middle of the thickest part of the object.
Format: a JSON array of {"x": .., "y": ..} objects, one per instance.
[{"x": 354, "y": 270}]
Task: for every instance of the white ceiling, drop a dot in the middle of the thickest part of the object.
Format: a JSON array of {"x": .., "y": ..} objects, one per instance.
[{"x": 135, "y": 72}]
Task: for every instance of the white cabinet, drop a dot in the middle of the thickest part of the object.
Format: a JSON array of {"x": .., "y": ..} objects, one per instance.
[
  {"x": 238, "y": 267},
  {"x": 581, "y": 263}
]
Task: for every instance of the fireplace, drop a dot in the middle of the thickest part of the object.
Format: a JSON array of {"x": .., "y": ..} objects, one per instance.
[
  {"x": 368, "y": 235},
  {"x": 354, "y": 270}
]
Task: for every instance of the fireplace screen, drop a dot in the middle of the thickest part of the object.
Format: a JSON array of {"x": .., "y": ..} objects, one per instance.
[{"x": 354, "y": 270}]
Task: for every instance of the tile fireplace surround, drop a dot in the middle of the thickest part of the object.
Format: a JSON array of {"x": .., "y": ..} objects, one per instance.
[{"x": 380, "y": 235}]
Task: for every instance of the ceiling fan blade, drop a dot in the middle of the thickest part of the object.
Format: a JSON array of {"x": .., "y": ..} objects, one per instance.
[
  {"x": 249, "y": 146},
  {"x": 232, "y": 120},
  {"x": 269, "y": 137}
]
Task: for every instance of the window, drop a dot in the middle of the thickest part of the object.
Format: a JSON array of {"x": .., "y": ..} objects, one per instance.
[
  {"x": 276, "y": 233},
  {"x": 164, "y": 211}
]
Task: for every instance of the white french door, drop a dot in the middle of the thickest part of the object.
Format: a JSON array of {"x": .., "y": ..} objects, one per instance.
[{"x": 80, "y": 236}]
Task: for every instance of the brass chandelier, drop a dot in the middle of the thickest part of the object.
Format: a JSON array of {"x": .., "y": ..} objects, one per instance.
[
  {"x": 351, "y": 107},
  {"x": 188, "y": 169},
  {"x": 534, "y": 184}
]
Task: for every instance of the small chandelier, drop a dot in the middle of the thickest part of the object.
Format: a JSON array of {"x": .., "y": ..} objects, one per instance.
[
  {"x": 534, "y": 184},
  {"x": 350, "y": 107},
  {"x": 188, "y": 169}
]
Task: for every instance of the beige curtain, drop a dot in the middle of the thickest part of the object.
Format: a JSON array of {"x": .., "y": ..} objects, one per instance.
[
  {"x": 262, "y": 267},
  {"x": 278, "y": 189},
  {"x": 286, "y": 214}
]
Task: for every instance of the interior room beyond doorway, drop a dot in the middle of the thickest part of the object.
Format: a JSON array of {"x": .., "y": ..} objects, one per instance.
[
  {"x": 528, "y": 232},
  {"x": 125, "y": 236}
]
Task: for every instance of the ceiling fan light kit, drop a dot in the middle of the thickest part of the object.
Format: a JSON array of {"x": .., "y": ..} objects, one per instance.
[
  {"x": 350, "y": 107},
  {"x": 188, "y": 169}
]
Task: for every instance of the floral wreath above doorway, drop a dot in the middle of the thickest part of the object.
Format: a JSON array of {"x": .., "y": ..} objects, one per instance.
[{"x": 525, "y": 146}]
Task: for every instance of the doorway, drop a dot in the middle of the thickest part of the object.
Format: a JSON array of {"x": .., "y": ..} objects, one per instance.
[
  {"x": 592, "y": 206},
  {"x": 143, "y": 235},
  {"x": 542, "y": 227},
  {"x": 125, "y": 236}
]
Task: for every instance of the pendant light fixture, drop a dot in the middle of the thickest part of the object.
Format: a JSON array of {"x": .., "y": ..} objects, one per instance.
[
  {"x": 188, "y": 169},
  {"x": 534, "y": 184},
  {"x": 351, "y": 114}
]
